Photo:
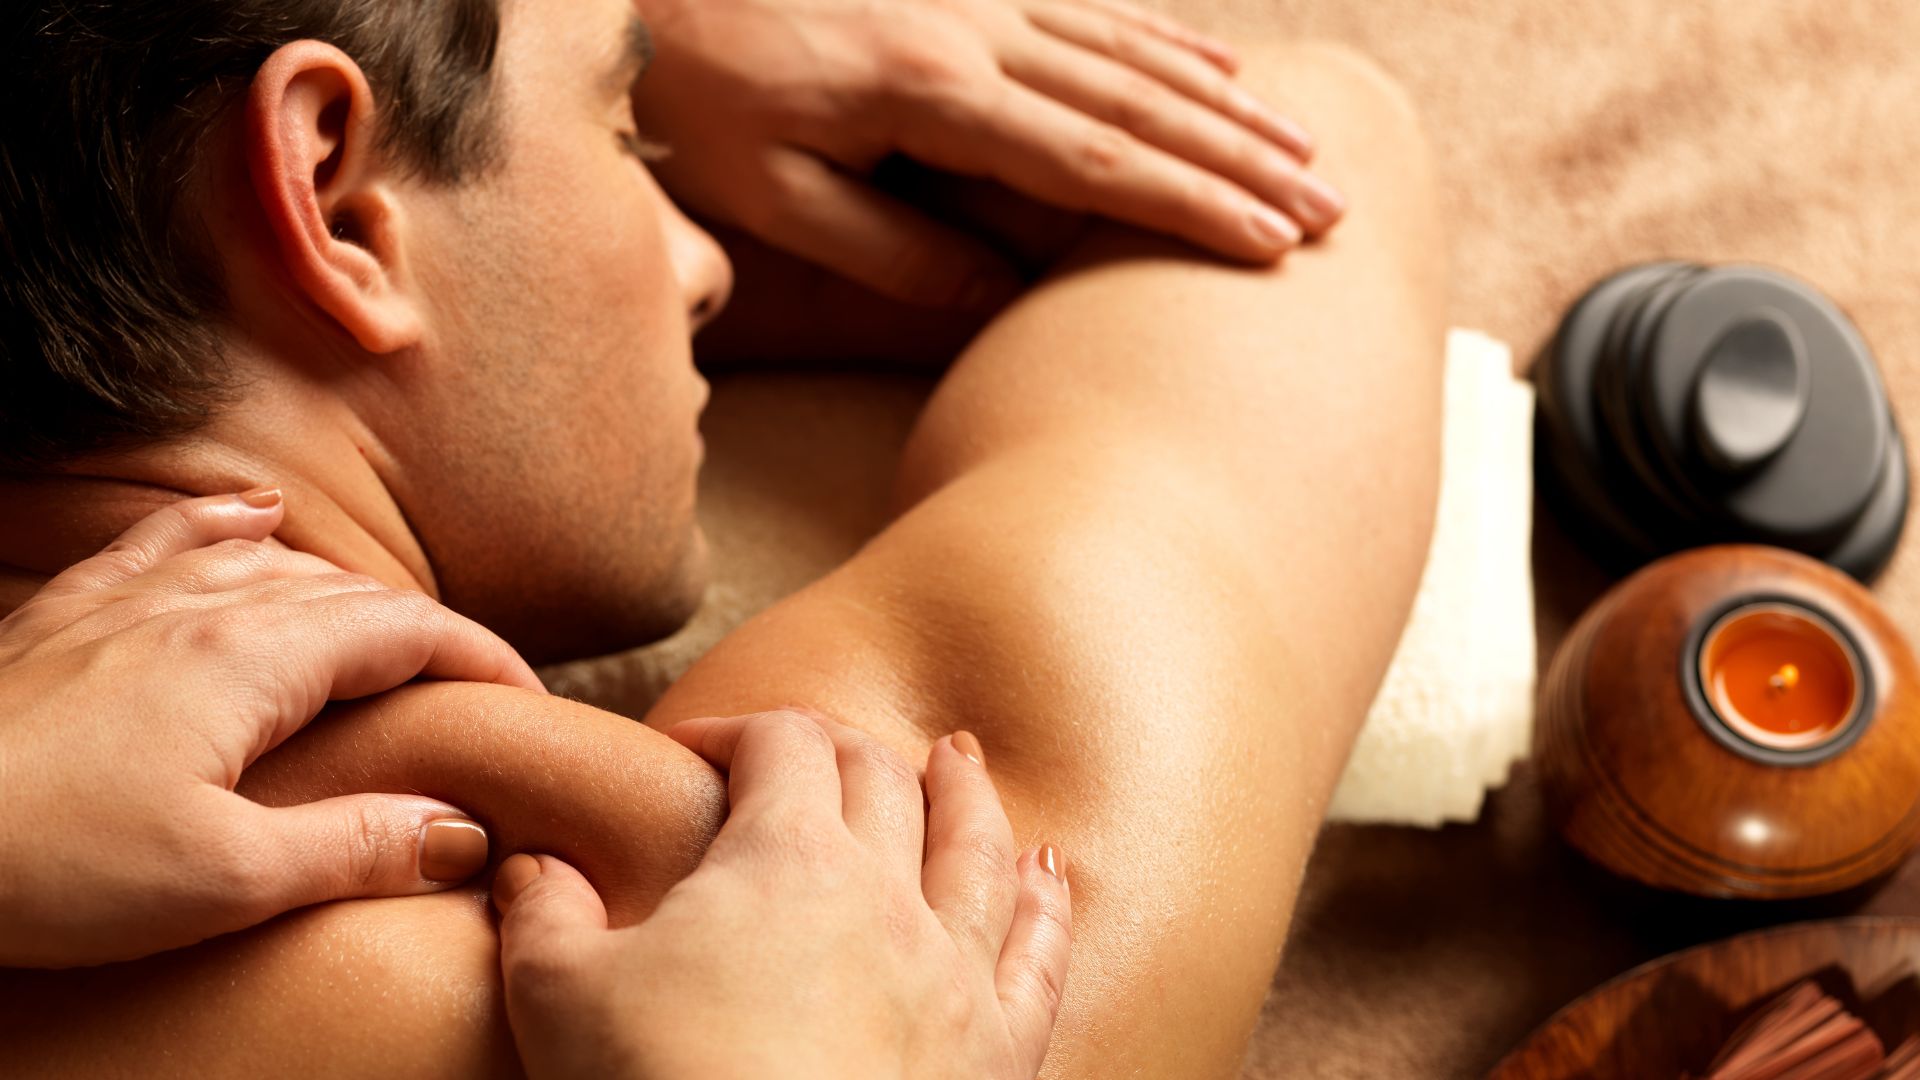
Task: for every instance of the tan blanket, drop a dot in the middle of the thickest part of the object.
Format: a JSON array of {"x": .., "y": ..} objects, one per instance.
[{"x": 1575, "y": 136}]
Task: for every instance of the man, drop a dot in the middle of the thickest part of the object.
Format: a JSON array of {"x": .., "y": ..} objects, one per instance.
[{"x": 1160, "y": 528}]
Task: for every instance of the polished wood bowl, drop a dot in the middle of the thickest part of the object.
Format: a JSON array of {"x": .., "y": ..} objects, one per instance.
[
  {"x": 1672, "y": 1015},
  {"x": 1636, "y": 779}
]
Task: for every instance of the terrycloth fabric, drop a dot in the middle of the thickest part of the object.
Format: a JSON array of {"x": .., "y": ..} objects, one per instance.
[
  {"x": 1573, "y": 137},
  {"x": 1455, "y": 709}
]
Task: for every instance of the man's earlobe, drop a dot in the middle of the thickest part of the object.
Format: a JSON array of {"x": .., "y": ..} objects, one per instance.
[{"x": 316, "y": 172}]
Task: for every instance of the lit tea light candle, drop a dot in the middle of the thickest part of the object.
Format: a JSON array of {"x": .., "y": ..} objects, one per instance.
[{"x": 1780, "y": 675}]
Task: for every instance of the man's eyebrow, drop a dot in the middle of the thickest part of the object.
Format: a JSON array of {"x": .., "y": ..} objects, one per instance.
[{"x": 636, "y": 53}]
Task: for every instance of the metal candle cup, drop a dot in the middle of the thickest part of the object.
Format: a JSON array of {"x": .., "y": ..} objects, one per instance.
[{"x": 1777, "y": 681}]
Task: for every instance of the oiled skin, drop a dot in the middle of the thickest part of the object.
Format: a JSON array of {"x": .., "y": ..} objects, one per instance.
[{"x": 1167, "y": 518}]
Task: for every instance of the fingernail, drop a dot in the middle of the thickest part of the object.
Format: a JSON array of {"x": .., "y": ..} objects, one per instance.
[
  {"x": 1274, "y": 229},
  {"x": 452, "y": 850},
  {"x": 1326, "y": 203},
  {"x": 1053, "y": 862},
  {"x": 513, "y": 878},
  {"x": 261, "y": 498},
  {"x": 964, "y": 742}
]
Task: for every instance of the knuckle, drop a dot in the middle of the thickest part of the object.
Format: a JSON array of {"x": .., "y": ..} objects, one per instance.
[
  {"x": 220, "y": 631},
  {"x": 1045, "y": 985},
  {"x": 403, "y": 606},
  {"x": 807, "y": 845},
  {"x": 887, "y": 766},
  {"x": 1102, "y": 152},
  {"x": 1138, "y": 102},
  {"x": 364, "y": 838},
  {"x": 914, "y": 64},
  {"x": 798, "y": 728},
  {"x": 986, "y": 842},
  {"x": 348, "y": 582}
]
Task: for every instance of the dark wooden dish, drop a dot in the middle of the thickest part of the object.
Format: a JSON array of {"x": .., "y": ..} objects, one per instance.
[
  {"x": 1634, "y": 780},
  {"x": 1674, "y": 1013}
]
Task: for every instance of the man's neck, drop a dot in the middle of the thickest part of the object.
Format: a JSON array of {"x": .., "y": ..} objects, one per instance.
[{"x": 337, "y": 508}]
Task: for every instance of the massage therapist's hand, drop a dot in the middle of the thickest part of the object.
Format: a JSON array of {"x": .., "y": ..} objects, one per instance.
[
  {"x": 776, "y": 112},
  {"x": 813, "y": 941},
  {"x": 137, "y": 686}
]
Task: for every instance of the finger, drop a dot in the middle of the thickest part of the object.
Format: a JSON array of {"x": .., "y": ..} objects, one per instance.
[
  {"x": 1032, "y": 974},
  {"x": 542, "y": 901},
  {"x": 171, "y": 530},
  {"x": 342, "y": 645},
  {"x": 1162, "y": 118},
  {"x": 358, "y": 642},
  {"x": 969, "y": 878},
  {"x": 1059, "y": 155},
  {"x": 880, "y": 798},
  {"x": 853, "y": 229},
  {"x": 1176, "y": 67},
  {"x": 229, "y": 565},
  {"x": 551, "y": 922},
  {"x": 347, "y": 847},
  {"x": 1218, "y": 52},
  {"x": 780, "y": 763}
]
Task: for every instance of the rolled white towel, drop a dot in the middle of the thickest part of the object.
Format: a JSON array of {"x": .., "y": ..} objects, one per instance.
[{"x": 1455, "y": 710}]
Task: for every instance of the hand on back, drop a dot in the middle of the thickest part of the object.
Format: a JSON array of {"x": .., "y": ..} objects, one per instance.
[
  {"x": 136, "y": 687},
  {"x": 838, "y": 926},
  {"x": 776, "y": 113}
]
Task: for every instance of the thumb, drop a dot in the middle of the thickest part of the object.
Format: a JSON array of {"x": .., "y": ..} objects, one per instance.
[
  {"x": 542, "y": 901},
  {"x": 550, "y": 921},
  {"x": 852, "y": 228},
  {"x": 357, "y": 846}
]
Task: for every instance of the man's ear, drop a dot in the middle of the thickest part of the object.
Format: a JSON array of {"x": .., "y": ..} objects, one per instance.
[{"x": 313, "y": 158}]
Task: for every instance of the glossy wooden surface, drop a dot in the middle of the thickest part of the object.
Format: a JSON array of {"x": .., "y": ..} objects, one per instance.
[
  {"x": 1673, "y": 1014},
  {"x": 1635, "y": 781}
]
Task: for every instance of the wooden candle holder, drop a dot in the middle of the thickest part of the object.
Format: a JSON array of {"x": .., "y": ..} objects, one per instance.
[{"x": 1642, "y": 779}]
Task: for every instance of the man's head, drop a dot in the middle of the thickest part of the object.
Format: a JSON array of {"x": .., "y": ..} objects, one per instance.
[{"x": 403, "y": 244}]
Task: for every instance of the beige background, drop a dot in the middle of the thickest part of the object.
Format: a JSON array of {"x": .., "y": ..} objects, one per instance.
[{"x": 1575, "y": 137}]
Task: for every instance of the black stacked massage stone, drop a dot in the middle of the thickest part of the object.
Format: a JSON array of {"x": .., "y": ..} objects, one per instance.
[{"x": 1682, "y": 405}]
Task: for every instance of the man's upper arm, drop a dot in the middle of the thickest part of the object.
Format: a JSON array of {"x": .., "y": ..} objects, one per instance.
[{"x": 1102, "y": 641}]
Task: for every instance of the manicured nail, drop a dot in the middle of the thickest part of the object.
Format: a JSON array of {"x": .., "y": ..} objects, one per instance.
[
  {"x": 512, "y": 879},
  {"x": 262, "y": 498},
  {"x": 452, "y": 850},
  {"x": 964, "y": 742},
  {"x": 1326, "y": 203},
  {"x": 1053, "y": 862},
  {"x": 1274, "y": 229}
]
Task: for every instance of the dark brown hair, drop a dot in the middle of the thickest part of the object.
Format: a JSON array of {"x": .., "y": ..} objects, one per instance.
[{"x": 106, "y": 295}]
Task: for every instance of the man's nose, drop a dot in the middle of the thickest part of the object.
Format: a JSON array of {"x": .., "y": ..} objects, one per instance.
[{"x": 702, "y": 268}]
